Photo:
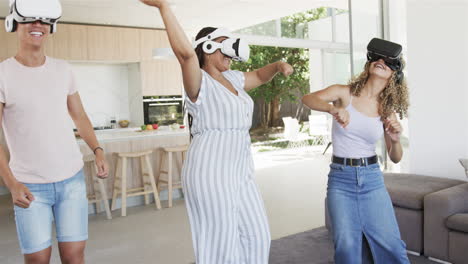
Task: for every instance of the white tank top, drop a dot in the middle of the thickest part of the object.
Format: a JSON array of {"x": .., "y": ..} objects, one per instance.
[{"x": 359, "y": 138}]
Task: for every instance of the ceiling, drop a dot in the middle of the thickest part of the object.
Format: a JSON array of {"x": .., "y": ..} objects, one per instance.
[{"x": 193, "y": 15}]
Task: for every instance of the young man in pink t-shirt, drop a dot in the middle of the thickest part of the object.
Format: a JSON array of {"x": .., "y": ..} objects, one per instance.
[{"x": 38, "y": 96}]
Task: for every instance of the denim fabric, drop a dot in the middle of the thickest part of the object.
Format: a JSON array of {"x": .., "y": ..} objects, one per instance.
[
  {"x": 65, "y": 202},
  {"x": 361, "y": 210}
]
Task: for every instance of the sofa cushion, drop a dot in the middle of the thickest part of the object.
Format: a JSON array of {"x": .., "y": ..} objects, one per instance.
[
  {"x": 408, "y": 190},
  {"x": 458, "y": 222}
]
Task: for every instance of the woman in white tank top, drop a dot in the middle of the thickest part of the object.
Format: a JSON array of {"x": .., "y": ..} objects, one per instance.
[
  {"x": 358, "y": 202},
  {"x": 226, "y": 212}
]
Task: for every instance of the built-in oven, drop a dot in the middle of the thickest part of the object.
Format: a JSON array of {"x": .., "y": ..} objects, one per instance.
[{"x": 163, "y": 110}]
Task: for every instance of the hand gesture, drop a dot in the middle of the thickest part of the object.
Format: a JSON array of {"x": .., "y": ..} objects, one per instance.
[
  {"x": 341, "y": 115},
  {"x": 21, "y": 195},
  {"x": 285, "y": 69},
  {"x": 393, "y": 129},
  {"x": 101, "y": 164}
]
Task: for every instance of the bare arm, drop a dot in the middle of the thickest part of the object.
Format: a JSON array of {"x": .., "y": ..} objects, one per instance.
[
  {"x": 336, "y": 94},
  {"x": 20, "y": 194},
  {"x": 266, "y": 74},
  {"x": 393, "y": 131},
  {"x": 86, "y": 131},
  {"x": 182, "y": 48}
]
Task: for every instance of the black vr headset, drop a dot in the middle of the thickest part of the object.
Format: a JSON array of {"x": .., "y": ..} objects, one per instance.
[{"x": 389, "y": 52}]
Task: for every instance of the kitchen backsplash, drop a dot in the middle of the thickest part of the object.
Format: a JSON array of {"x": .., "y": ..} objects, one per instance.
[{"x": 104, "y": 90}]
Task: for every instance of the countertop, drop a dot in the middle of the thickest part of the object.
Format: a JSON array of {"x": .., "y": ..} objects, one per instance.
[{"x": 135, "y": 133}]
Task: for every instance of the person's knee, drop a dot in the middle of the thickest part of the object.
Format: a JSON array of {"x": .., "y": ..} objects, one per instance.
[
  {"x": 37, "y": 258},
  {"x": 72, "y": 253},
  {"x": 346, "y": 241},
  {"x": 72, "y": 257}
]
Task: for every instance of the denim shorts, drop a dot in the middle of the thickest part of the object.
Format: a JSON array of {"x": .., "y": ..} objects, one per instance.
[{"x": 65, "y": 203}]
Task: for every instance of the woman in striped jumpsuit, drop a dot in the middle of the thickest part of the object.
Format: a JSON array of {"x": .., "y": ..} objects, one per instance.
[{"x": 226, "y": 212}]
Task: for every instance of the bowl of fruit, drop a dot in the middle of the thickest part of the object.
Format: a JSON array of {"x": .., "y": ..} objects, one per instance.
[{"x": 124, "y": 123}]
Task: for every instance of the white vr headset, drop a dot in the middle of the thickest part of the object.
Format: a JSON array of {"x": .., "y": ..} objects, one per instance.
[
  {"x": 29, "y": 11},
  {"x": 232, "y": 47}
]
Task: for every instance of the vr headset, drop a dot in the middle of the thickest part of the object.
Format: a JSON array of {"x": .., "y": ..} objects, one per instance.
[
  {"x": 30, "y": 11},
  {"x": 389, "y": 52},
  {"x": 235, "y": 48}
]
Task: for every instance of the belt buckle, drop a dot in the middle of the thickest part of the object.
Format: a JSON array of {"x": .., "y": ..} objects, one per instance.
[{"x": 357, "y": 165}]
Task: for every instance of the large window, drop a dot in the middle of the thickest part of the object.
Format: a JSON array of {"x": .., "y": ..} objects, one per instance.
[
  {"x": 335, "y": 38},
  {"x": 321, "y": 36}
]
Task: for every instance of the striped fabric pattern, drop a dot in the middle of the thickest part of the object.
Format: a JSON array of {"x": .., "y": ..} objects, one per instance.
[{"x": 226, "y": 212}]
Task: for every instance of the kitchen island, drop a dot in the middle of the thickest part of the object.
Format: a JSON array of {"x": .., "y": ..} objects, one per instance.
[{"x": 134, "y": 140}]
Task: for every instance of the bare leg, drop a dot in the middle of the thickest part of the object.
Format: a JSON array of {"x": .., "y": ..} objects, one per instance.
[
  {"x": 72, "y": 252},
  {"x": 41, "y": 257}
]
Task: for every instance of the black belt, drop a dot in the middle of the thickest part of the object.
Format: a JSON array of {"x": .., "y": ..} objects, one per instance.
[{"x": 355, "y": 162}]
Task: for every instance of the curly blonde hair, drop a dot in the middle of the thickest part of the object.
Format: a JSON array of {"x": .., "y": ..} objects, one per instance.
[{"x": 394, "y": 98}]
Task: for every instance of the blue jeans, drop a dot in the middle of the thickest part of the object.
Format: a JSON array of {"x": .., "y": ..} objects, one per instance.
[
  {"x": 360, "y": 208},
  {"x": 65, "y": 202}
]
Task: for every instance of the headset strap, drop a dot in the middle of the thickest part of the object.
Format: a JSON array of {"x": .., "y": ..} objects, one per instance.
[{"x": 220, "y": 32}]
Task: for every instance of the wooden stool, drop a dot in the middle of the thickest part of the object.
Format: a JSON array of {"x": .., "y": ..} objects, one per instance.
[
  {"x": 100, "y": 193},
  {"x": 166, "y": 181},
  {"x": 120, "y": 182}
]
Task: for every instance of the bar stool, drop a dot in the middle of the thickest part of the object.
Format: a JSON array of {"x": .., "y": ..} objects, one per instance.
[
  {"x": 100, "y": 193},
  {"x": 120, "y": 182},
  {"x": 165, "y": 177}
]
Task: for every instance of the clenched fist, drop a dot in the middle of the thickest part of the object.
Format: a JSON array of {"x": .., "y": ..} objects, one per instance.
[
  {"x": 21, "y": 195},
  {"x": 285, "y": 69},
  {"x": 341, "y": 116},
  {"x": 393, "y": 129}
]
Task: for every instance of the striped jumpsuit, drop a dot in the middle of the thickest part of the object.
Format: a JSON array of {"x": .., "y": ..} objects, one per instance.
[{"x": 226, "y": 213}]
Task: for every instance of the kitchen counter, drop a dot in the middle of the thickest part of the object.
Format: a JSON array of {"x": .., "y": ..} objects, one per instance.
[
  {"x": 114, "y": 141},
  {"x": 135, "y": 133}
]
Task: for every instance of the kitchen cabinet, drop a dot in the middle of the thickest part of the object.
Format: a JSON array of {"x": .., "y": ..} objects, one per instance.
[
  {"x": 129, "y": 44},
  {"x": 8, "y": 43},
  {"x": 77, "y": 37},
  {"x": 161, "y": 77},
  {"x": 150, "y": 39},
  {"x": 103, "y": 43},
  {"x": 70, "y": 42},
  {"x": 95, "y": 43}
]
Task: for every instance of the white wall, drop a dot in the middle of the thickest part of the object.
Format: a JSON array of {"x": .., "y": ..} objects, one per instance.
[
  {"x": 438, "y": 67},
  {"x": 397, "y": 23},
  {"x": 396, "y": 31},
  {"x": 104, "y": 91},
  {"x": 135, "y": 95}
]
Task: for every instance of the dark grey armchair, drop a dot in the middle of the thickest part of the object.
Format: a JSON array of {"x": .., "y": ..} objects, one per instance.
[{"x": 446, "y": 224}]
